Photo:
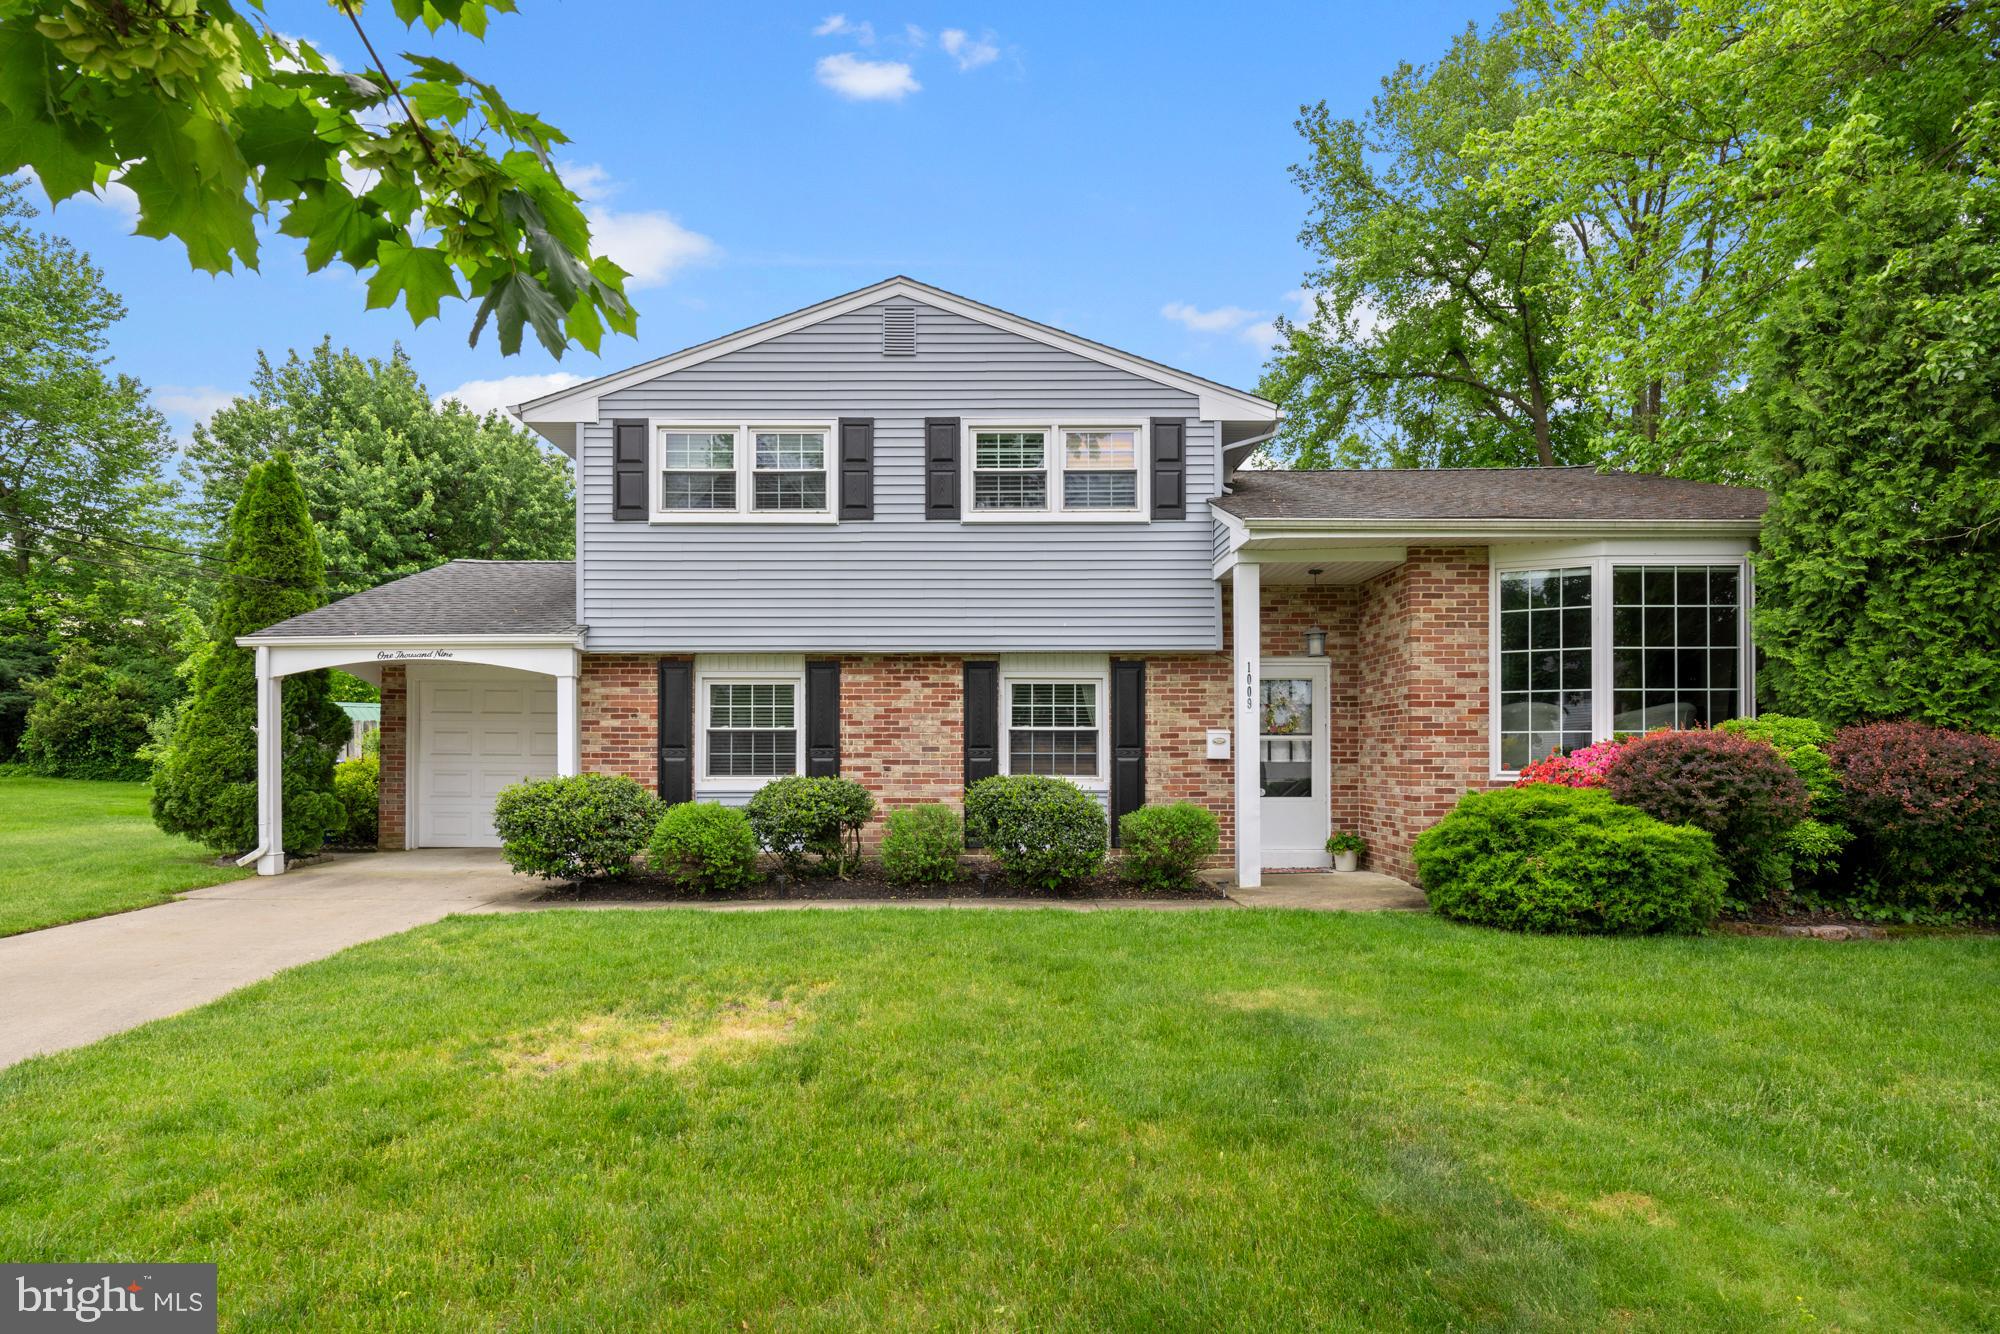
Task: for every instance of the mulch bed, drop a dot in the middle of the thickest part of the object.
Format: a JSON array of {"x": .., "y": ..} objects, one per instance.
[{"x": 866, "y": 883}]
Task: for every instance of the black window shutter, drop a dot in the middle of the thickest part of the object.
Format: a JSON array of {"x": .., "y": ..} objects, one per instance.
[
  {"x": 1169, "y": 467},
  {"x": 857, "y": 467},
  {"x": 823, "y": 718},
  {"x": 941, "y": 469},
  {"x": 629, "y": 467},
  {"x": 1128, "y": 739},
  {"x": 982, "y": 720},
  {"x": 676, "y": 731}
]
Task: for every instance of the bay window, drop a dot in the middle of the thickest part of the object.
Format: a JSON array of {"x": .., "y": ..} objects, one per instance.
[{"x": 1589, "y": 648}]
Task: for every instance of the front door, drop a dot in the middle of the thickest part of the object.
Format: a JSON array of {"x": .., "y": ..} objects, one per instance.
[{"x": 1292, "y": 762}]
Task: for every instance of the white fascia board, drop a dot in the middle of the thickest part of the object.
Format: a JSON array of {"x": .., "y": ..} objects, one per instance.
[
  {"x": 398, "y": 641},
  {"x": 578, "y": 403},
  {"x": 1238, "y": 535},
  {"x": 1488, "y": 531}
]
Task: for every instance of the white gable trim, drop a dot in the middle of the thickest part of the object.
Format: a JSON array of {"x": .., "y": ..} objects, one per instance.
[{"x": 578, "y": 403}]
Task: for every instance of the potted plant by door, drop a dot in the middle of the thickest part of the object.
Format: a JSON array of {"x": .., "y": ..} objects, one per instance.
[{"x": 1347, "y": 850}]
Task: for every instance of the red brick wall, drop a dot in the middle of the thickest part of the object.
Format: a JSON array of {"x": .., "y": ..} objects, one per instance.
[
  {"x": 902, "y": 731},
  {"x": 618, "y": 716},
  {"x": 392, "y": 797},
  {"x": 1186, "y": 694},
  {"x": 1422, "y": 718}
]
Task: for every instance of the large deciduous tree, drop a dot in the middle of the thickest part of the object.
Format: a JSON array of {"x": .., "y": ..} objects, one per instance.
[
  {"x": 205, "y": 780},
  {"x": 87, "y": 532},
  {"x": 1441, "y": 322},
  {"x": 1688, "y": 157},
  {"x": 426, "y": 179},
  {"x": 394, "y": 483}
]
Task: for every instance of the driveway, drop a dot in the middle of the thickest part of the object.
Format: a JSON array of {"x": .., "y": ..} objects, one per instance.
[{"x": 68, "y": 985}]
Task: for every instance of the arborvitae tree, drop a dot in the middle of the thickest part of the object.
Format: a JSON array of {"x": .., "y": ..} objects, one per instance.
[
  {"x": 1876, "y": 417},
  {"x": 205, "y": 784}
]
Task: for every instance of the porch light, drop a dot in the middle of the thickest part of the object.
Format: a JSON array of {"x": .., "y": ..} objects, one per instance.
[{"x": 1316, "y": 636}]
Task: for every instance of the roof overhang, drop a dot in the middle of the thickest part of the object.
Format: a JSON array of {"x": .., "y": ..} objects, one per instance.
[
  {"x": 366, "y": 655},
  {"x": 1277, "y": 539},
  {"x": 556, "y": 416}
]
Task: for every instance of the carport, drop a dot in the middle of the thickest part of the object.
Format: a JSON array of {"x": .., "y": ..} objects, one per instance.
[{"x": 486, "y": 655}]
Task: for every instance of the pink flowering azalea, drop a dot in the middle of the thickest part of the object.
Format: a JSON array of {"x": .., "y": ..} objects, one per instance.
[{"x": 1587, "y": 766}]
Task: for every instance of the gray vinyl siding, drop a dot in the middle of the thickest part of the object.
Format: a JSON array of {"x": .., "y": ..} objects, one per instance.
[
  {"x": 898, "y": 582},
  {"x": 1220, "y": 547}
]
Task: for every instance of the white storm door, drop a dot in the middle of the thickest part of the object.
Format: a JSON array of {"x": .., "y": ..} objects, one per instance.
[
  {"x": 478, "y": 733},
  {"x": 1292, "y": 762}
]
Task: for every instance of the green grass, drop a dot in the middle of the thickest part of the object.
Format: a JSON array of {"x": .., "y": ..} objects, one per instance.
[
  {"x": 1033, "y": 1120},
  {"x": 71, "y": 850}
]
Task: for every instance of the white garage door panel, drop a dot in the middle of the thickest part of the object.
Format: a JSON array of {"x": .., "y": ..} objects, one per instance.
[{"x": 475, "y": 737}]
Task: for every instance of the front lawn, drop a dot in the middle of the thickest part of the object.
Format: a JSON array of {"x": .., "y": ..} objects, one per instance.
[
  {"x": 71, "y": 849},
  {"x": 616, "y": 1120}
]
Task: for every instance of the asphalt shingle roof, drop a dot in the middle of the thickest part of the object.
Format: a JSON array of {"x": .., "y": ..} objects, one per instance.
[
  {"x": 464, "y": 597},
  {"x": 1420, "y": 494}
]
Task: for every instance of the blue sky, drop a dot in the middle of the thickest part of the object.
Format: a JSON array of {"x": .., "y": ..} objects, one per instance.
[{"x": 1119, "y": 171}]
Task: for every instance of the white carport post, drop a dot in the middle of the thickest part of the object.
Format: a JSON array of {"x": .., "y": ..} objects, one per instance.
[
  {"x": 270, "y": 766},
  {"x": 568, "y": 740},
  {"x": 1246, "y": 628}
]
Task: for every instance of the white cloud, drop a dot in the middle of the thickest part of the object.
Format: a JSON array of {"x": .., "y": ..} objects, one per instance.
[
  {"x": 970, "y": 52},
  {"x": 1223, "y": 319},
  {"x": 867, "y": 80},
  {"x": 651, "y": 247},
  {"x": 915, "y": 36},
  {"x": 484, "y": 396},
  {"x": 589, "y": 180},
  {"x": 193, "y": 403},
  {"x": 838, "y": 25}
]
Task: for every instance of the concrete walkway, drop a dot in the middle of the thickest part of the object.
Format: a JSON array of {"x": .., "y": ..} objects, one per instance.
[
  {"x": 68, "y": 985},
  {"x": 1327, "y": 891}
]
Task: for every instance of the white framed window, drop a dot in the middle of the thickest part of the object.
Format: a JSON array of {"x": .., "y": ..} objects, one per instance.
[
  {"x": 750, "y": 729},
  {"x": 1089, "y": 470},
  {"x": 1589, "y": 643},
  {"x": 697, "y": 470},
  {"x": 1055, "y": 716},
  {"x": 762, "y": 472}
]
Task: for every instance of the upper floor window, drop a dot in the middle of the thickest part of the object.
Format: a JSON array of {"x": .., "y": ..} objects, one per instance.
[
  {"x": 733, "y": 472},
  {"x": 1589, "y": 649},
  {"x": 1021, "y": 471}
]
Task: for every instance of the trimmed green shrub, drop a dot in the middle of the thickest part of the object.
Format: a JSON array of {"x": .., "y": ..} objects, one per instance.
[
  {"x": 1815, "y": 844},
  {"x": 1165, "y": 845},
  {"x": 87, "y": 721},
  {"x": 587, "y": 827},
  {"x": 357, "y": 784},
  {"x": 1924, "y": 804},
  {"x": 1734, "y": 787},
  {"x": 1046, "y": 833},
  {"x": 1559, "y": 859},
  {"x": 705, "y": 846},
  {"x": 812, "y": 825},
  {"x": 1801, "y": 743},
  {"x": 205, "y": 780},
  {"x": 921, "y": 845}
]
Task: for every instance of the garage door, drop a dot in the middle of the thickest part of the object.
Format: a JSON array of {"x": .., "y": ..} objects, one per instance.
[{"x": 478, "y": 733}]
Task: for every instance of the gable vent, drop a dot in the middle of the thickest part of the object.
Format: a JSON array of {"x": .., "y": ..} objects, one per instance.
[{"x": 899, "y": 331}]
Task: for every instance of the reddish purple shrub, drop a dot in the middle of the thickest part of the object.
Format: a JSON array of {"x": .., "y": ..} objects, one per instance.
[
  {"x": 1737, "y": 788},
  {"x": 1924, "y": 804}
]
